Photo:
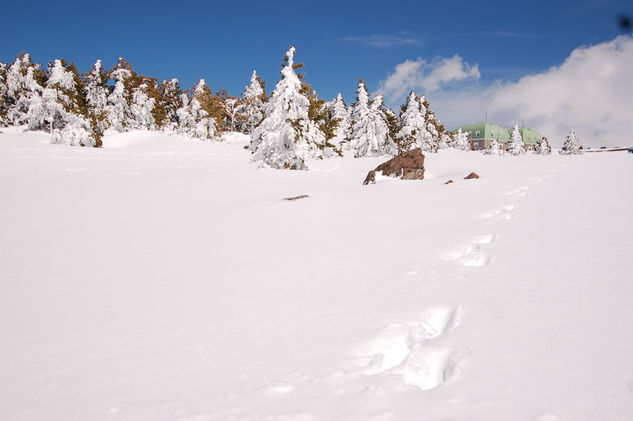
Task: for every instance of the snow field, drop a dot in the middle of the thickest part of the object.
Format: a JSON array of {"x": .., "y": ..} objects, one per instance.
[{"x": 161, "y": 278}]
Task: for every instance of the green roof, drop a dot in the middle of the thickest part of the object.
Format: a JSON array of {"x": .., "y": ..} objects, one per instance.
[
  {"x": 530, "y": 137},
  {"x": 492, "y": 131},
  {"x": 485, "y": 131}
]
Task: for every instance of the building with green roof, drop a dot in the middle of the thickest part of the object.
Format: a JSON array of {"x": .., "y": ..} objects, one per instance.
[
  {"x": 482, "y": 134},
  {"x": 531, "y": 138}
]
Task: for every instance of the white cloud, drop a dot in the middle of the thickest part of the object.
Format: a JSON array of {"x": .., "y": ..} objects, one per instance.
[
  {"x": 383, "y": 40},
  {"x": 419, "y": 75},
  {"x": 592, "y": 92}
]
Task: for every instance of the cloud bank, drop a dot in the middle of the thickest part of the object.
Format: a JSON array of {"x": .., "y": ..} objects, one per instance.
[
  {"x": 591, "y": 91},
  {"x": 419, "y": 75}
]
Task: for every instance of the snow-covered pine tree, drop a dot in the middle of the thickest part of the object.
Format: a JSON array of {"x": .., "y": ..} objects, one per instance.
[
  {"x": 318, "y": 114},
  {"x": 233, "y": 112},
  {"x": 170, "y": 93},
  {"x": 337, "y": 110},
  {"x": 23, "y": 81},
  {"x": 287, "y": 137},
  {"x": 494, "y": 149},
  {"x": 393, "y": 122},
  {"x": 461, "y": 141},
  {"x": 370, "y": 130},
  {"x": 571, "y": 145},
  {"x": 141, "y": 107},
  {"x": 3, "y": 95},
  {"x": 516, "y": 145},
  {"x": 445, "y": 140},
  {"x": 254, "y": 97},
  {"x": 194, "y": 121},
  {"x": 413, "y": 132},
  {"x": 543, "y": 147},
  {"x": 95, "y": 89},
  {"x": 117, "y": 107},
  {"x": 61, "y": 107},
  {"x": 431, "y": 142}
]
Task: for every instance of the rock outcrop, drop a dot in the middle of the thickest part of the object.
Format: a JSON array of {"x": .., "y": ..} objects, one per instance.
[{"x": 407, "y": 165}]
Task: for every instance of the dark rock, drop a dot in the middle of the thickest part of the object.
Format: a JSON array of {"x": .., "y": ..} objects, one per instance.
[
  {"x": 471, "y": 176},
  {"x": 303, "y": 196},
  {"x": 449, "y": 182},
  {"x": 407, "y": 165}
]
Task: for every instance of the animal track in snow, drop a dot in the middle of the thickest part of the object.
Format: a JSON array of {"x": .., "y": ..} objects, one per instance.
[
  {"x": 520, "y": 192},
  {"x": 472, "y": 252},
  {"x": 410, "y": 350},
  {"x": 279, "y": 388},
  {"x": 504, "y": 212}
]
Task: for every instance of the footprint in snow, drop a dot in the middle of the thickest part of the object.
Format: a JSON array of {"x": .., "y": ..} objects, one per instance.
[
  {"x": 472, "y": 253},
  {"x": 412, "y": 352},
  {"x": 504, "y": 212},
  {"x": 520, "y": 192},
  {"x": 278, "y": 388}
]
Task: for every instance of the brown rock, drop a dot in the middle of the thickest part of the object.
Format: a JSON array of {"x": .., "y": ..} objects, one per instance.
[
  {"x": 449, "y": 182},
  {"x": 303, "y": 196},
  {"x": 371, "y": 177},
  {"x": 471, "y": 176},
  {"x": 407, "y": 165}
]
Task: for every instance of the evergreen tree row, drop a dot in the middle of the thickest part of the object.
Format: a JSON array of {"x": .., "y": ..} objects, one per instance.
[
  {"x": 286, "y": 129},
  {"x": 77, "y": 109},
  {"x": 297, "y": 125}
]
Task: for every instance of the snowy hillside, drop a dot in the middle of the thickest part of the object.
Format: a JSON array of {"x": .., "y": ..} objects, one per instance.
[{"x": 161, "y": 278}]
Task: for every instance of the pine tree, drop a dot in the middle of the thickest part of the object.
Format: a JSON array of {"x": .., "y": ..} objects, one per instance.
[
  {"x": 3, "y": 95},
  {"x": 194, "y": 121},
  {"x": 170, "y": 94},
  {"x": 95, "y": 90},
  {"x": 233, "y": 112},
  {"x": 431, "y": 141},
  {"x": 393, "y": 123},
  {"x": 287, "y": 137},
  {"x": 445, "y": 140},
  {"x": 543, "y": 147},
  {"x": 61, "y": 107},
  {"x": 117, "y": 107},
  {"x": 494, "y": 149},
  {"x": 318, "y": 114},
  {"x": 23, "y": 82},
  {"x": 571, "y": 145},
  {"x": 338, "y": 111},
  {"x": 141, "y": 107},
  {"x": 516, "y": 145},
  {"x": 413, "y": 132},
  {"x": 370, "y": 131},
  {"x": 461, "y": 141},
  {"x": 254, "y": 97}
]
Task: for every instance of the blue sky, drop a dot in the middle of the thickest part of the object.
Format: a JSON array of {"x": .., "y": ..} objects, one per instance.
[{"x": 338, "y": 41}]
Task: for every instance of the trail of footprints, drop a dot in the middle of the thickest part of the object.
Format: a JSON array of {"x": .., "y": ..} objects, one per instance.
[{"x": 420, "y": 353}]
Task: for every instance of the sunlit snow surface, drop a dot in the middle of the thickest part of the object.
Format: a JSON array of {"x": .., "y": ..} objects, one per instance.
[{"x": 161, "y": 278}]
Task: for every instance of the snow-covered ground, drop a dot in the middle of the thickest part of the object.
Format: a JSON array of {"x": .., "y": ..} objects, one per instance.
[{"x": 161, "y": 278}]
